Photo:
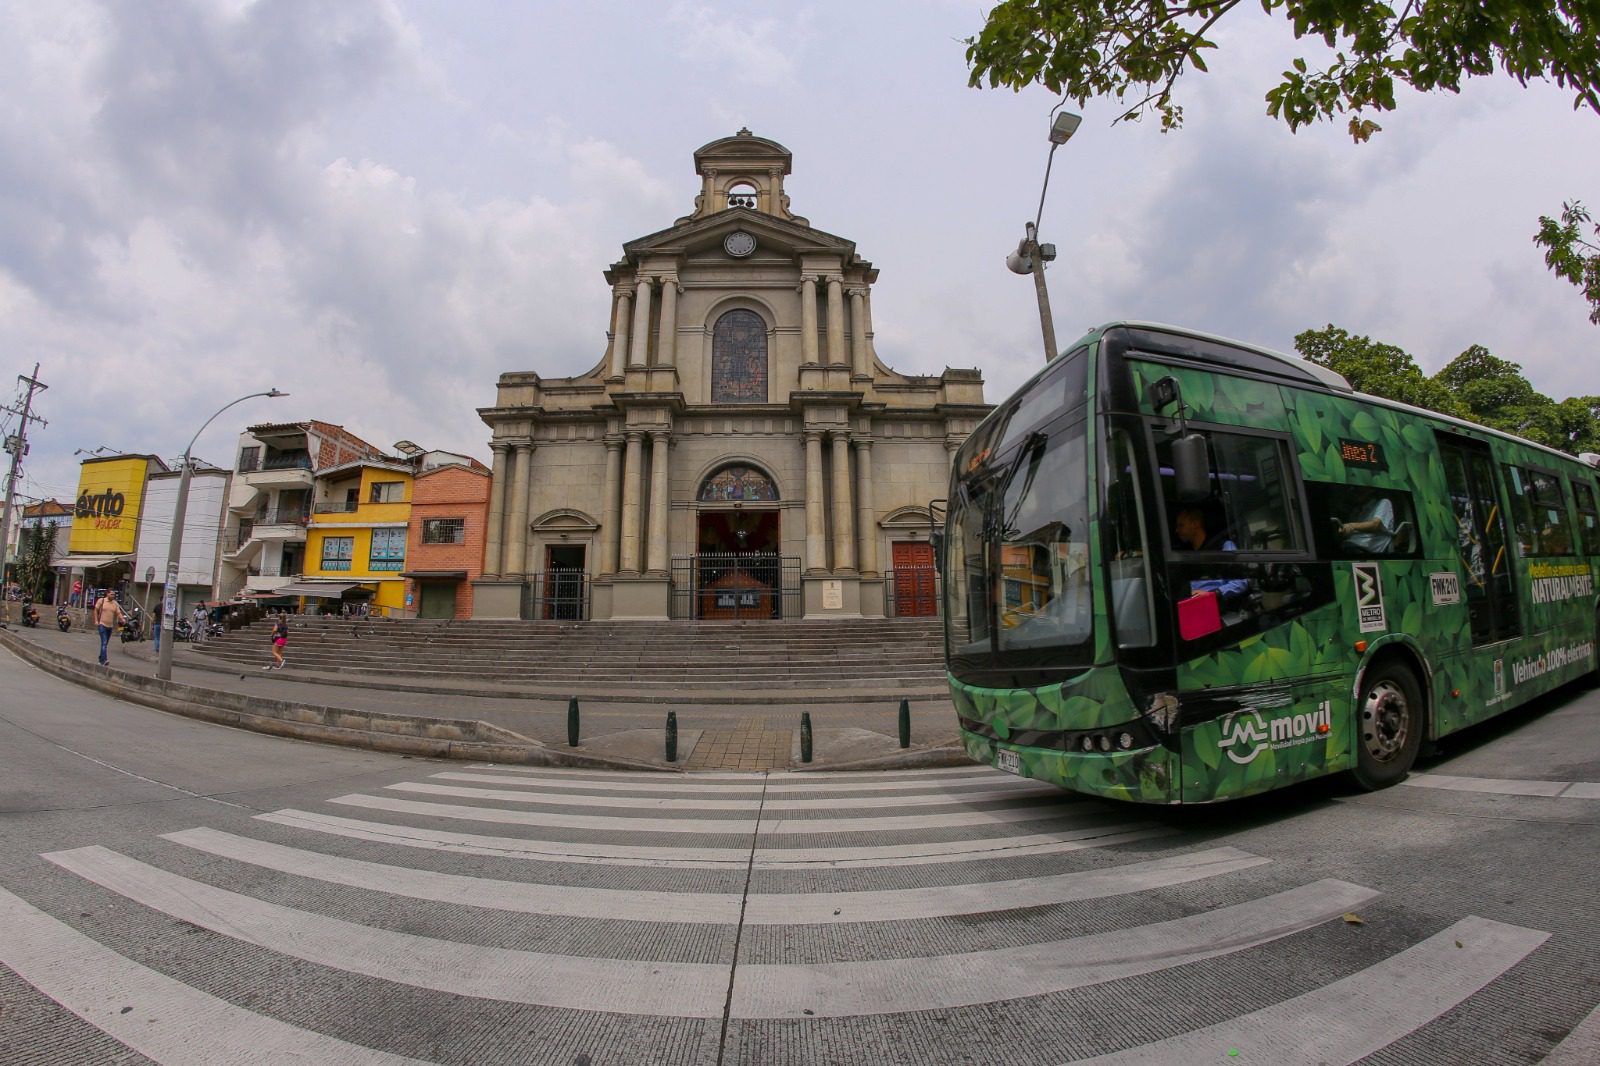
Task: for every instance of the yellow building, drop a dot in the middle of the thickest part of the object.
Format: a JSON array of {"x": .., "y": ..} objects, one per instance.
[{"x": 356, "y": 539}]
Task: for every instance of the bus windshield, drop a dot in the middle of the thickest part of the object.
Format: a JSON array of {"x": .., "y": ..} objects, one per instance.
[{"x": 1018, "y": 554}]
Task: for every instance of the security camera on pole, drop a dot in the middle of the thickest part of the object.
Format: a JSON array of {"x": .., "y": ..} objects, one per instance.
[
  {"x": 169, "y": 598},
  {"x": 1031, "y": 256}
]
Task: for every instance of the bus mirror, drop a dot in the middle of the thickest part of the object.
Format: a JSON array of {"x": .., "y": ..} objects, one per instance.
[
  {"x": 1192, "y": 467},
  {"x": 937, "y": 537}
]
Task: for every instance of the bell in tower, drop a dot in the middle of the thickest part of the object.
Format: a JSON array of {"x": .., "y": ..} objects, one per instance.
[{"x": 744, "y": 172}]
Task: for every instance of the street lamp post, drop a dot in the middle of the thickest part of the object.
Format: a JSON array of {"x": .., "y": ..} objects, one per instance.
[
  {"x": 1031, "y": 256},
  {"x": 169, "y": 599}
]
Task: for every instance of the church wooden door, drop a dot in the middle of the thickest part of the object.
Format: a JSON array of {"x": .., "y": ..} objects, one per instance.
[{"x": 914, "y": 589}]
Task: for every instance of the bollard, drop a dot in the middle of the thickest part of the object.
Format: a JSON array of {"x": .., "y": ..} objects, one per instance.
[
  {"x": 572, "y": 722},
  {"x": 672, "y": 736},
  {"x": 805, "y": 736},
  {"x": 905, "y": 722}
]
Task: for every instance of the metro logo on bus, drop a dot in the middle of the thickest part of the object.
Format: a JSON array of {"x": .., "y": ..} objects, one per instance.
[
  {"x": 1369, "y": 597},
  {"x": 1247, "y": 729}
]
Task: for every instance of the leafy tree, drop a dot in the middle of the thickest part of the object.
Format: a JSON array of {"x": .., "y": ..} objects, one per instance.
[
  {"x": 1135, "y": 51},
  {"x": 1570, "y": 255},
  {"x": 1492, "y": 389},
  {"x": 34, "y": 553},
  {"x": 1372, "y": 367}
]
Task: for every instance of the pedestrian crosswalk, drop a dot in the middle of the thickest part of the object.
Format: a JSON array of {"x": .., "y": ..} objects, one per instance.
[{"x": 491, "y": 914}]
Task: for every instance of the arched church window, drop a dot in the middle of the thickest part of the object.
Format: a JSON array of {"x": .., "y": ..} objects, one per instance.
[
  {"x": 742, "y": 195},
  {"x": 737, "y": 483},
  {"x": 739, "y": 358}
]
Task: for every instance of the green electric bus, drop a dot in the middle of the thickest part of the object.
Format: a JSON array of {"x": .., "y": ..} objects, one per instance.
[{"x": 1182, "y": 569}]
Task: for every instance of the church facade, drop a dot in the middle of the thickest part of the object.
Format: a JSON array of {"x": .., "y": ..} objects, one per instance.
[{"x": 738, "y": 451}]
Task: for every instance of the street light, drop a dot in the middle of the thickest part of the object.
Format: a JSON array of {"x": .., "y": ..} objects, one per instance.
[
  {"x": 169, "y": 598},
  {"x": 1031, "y": 256}
]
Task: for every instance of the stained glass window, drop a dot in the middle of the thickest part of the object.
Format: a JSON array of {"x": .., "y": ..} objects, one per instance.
[
  {"x": 737, "y": 483},
  {"x": 739, "y": 358}
]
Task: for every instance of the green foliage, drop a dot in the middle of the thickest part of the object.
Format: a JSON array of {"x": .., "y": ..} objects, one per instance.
[
  {"x": 1376, "y": 368},
  {"x": 1570, "y": 256},
  {"x": 1134, "y": 51},
  {"x": 34, "y": 551}
]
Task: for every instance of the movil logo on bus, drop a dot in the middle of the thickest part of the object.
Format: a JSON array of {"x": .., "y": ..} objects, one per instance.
[{"x": 1245, "y": 734}]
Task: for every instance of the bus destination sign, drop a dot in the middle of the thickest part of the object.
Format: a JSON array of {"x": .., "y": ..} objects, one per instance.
[{"x": 1362, "y": 453}]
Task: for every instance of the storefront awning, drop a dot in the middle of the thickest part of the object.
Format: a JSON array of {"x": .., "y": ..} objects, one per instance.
[
  {"x": 92, "y": 562},
  {"x": 326, "y": 592}
]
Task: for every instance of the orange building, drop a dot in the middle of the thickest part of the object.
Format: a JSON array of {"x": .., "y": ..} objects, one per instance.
[{"x": 444, "y": 549}]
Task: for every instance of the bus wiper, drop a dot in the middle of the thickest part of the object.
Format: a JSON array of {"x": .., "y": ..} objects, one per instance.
[{"x": 1034, "y": 439}]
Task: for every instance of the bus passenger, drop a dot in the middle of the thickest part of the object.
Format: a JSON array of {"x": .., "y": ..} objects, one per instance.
[
  {"x": 1372, "y": 532},
  {"x": 1193, "y": 534}
]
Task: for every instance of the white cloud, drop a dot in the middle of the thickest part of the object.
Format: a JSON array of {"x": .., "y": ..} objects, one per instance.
[{"x": 754, "y": 51}]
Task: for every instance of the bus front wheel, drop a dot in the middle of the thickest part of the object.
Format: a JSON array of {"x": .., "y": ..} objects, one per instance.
[{"x": 1388, "y": 725}]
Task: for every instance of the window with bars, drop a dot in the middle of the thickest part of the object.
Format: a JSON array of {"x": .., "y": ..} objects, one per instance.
[
  {"x": 388, "y": 550},
  {"x": 444, "y": 531}
]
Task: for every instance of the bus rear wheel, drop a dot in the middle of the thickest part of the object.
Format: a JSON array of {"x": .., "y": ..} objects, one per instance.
[{"x": 1388, "y": 725}]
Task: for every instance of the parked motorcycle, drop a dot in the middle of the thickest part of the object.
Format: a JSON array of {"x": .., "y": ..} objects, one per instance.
[
  {"x": 30, "y": 614},
  {"x": 63, "y": 618},
  {"x": 133, "y": 628},
  {"x": 183, "y": 631}
]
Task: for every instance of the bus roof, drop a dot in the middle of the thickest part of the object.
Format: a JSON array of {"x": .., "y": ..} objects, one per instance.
[
  {"x": 1293, "y": 364},
  {"x": 1327, "y": 377}
]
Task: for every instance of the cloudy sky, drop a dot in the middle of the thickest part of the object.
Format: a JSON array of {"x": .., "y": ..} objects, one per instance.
[{"x": 378, "y": 206}]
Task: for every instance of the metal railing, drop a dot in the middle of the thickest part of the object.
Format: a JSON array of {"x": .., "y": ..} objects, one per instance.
[
  {"x": 735, "y": 585},
  {"x": 285, "y": 462},
  {"x": 911, "y": 592},
  {"x": 283, "y": 516},
  {"x": 560, "y": 594}
]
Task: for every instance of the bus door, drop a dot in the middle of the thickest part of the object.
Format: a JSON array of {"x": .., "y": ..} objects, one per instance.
[{"x": 1490, "y": 589}]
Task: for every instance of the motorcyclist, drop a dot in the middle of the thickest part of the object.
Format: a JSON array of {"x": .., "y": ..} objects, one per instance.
[{"x": 30, "y": 613}]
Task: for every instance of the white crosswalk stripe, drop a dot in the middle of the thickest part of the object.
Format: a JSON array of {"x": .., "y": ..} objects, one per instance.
[{"x": 733, "y": 903}]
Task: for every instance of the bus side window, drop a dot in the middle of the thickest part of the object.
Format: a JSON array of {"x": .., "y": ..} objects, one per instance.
[
  {"x": 1588, "y": 516},
  {"x": 1363, "y": 521},
  {"x": 1538, "y": 512}
]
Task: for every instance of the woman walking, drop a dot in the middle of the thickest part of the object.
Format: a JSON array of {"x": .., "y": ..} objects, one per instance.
[{"x": 280, "y": 637}]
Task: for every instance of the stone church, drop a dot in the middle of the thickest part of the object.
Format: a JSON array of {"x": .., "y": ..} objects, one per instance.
[{"x": 739, "y": 451}]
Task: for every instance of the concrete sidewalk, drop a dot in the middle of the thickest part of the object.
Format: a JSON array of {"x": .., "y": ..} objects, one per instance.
[{"x": 483, "y": 721}]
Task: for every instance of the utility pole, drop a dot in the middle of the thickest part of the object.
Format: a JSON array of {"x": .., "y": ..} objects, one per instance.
[{"x": 17, "y": 445}]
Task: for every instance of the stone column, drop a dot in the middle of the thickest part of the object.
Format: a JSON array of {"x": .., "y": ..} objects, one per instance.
[
  {"x": 657, "y": 545},
  {"x": 516, "y": 544},
  {"x": 494, "y": 534},
  {"x": 835, "y": 321},
  {"x": 860, "y": 364},
  {"x": 632, "y": 475},
  {"x": 620, "y": 335},
  {"x": 611, "y": 506},
  {"x": 844, "y": 550},
  {"x": 666, "y": 351},
  {"x": 816, "y": 545},
  {"x": 808, "y": 319},
  {"x": 866, "y": 526},
  {"x": 639, "y": 349}
]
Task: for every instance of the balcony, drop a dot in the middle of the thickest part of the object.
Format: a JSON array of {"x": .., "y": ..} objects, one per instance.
[
  {"x": 337, "y": 507},
  {"x": 273, "y": 470}
]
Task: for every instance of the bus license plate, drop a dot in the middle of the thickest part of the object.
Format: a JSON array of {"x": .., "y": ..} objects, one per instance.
[{"x": 1005, "y": 759}]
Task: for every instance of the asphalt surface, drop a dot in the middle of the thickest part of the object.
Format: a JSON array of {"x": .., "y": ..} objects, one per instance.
[{"x": 177, "y": 892}]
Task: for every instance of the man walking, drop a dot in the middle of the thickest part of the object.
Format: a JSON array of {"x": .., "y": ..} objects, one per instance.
[
  {"x": 107, "y": 613},
  {"x": 199, "y": 632}
]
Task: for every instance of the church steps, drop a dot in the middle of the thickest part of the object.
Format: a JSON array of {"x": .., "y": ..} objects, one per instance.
[{"x": 665, "y": 655}]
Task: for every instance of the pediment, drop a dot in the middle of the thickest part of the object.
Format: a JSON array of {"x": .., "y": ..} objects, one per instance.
[{"x": 699, "y": 234}]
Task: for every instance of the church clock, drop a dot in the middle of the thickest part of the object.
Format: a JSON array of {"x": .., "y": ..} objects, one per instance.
[{"x": 738, "y": 244}]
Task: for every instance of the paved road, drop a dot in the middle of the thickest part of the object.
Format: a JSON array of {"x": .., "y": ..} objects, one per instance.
[{"x": 176, "y": 892}]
